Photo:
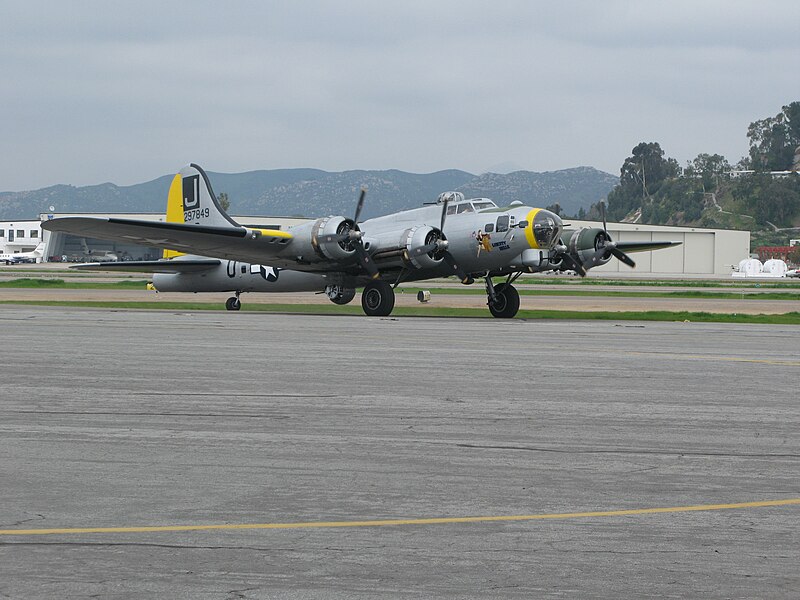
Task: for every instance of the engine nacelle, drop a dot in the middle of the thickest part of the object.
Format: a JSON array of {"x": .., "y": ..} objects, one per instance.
[
  {"x": 584, "y": 242},
  {"x": 326, "y": 238},
  {"x": 402, "y": 250},
  {"x": 420, "y": 236}
]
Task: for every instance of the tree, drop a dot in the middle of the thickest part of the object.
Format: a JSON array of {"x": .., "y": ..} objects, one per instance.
[
  {"x": 773, "y": 140},
  {"x": 554, "y": 208},
  {"x": 777, "y": 200},
  {"x": 641, "y": 176},
  {"x": 223, "y": 200},
  {"x": 708, "y": 168},
  {"x": 647, "y": 167}
]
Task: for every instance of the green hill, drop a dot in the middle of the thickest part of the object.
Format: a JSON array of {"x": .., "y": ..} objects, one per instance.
[{"x": 311, "y": 192}]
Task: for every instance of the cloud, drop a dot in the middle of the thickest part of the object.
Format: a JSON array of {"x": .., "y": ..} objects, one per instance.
[{"x": 119, "y": 91}]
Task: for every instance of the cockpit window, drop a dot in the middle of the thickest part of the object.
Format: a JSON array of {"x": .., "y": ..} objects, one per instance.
[
  {"x": 451, "y": 210},
  {"x": 502, "y": 224},
  {"x": 484, "y": 204},
  {"x": 465, "y": 208}
]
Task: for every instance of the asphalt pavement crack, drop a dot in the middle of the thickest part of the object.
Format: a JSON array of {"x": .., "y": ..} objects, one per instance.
[
  {"x": 241, "y": 593},
  {"x": 36, "y": 517}
]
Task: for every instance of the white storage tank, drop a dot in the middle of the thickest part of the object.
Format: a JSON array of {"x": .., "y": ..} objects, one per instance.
[
  {"x": 775, "y": 267},
  {"x": 750, "y": 267}
]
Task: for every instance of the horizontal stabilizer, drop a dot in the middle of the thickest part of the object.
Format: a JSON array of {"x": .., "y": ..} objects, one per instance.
[
  {"x": 153, "y": 266},
  {"x": 644, "y": 246}
]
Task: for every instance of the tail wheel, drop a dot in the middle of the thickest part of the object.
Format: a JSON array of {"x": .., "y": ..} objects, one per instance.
[
  {"x": 377, "y": 299},
  {"x": 506, "y": 304},
  {"x": 233, "y": 303}
]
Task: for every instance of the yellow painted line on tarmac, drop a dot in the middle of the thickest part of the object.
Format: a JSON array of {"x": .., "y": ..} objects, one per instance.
[
  {"x": 711, "y": 357},
  {"x": 395, "y": 522}
]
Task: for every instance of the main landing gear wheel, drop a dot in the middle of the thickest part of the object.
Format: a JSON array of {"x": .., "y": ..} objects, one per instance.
[
  {"x": 377, "y": 299},
  {"x": 233, "y": 303},
  {"x": 506, "y": 302}
]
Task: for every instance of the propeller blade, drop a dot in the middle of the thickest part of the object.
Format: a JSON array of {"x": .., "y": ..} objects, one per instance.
[
  {"x": 599, "y": 255},
  {"x": 603, "y": 215},
  {"x": 622, "y": 256},
  {"x": 444, "y": 214},
  {"x": 561, "y": 254},
  {"x": 357, "y": 238},
  {"x": 427, "y": 248},
  {"x": 360, "y": 205},
  {"x": 435, "y": 246},
  {"x": 366, "y": 261},
  {"x": 338, "y": 238},
  {"x": 575, "y": 264},
  {"x": 451, "y": 261}
]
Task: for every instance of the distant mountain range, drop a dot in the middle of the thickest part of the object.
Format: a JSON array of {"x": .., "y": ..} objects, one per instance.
[{"x": 311, "y": 192}]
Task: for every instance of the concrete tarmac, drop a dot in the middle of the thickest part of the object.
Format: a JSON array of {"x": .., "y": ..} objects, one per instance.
[{"x": 123, "y": 419}]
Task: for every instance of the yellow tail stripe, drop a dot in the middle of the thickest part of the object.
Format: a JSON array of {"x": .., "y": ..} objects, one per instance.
[
  {"x": 388, "y": 522},
  {"x": 175, "y": 208}
]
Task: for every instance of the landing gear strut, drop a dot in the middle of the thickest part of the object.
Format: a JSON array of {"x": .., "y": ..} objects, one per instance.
[
  {"x": 503, "y": 299},
  {"x": 377, "y": 299},
  {"x": 233, "y": 302}
]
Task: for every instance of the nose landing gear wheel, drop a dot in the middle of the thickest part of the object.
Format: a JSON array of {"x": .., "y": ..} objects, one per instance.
[
  {"x": 506, "y": 304},
  {"x": 377, "y": 299},
  {"x": 233, "y": 303}
]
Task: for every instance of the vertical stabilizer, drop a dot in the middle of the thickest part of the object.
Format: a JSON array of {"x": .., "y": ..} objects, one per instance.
[{"x": 192, "y": 201}]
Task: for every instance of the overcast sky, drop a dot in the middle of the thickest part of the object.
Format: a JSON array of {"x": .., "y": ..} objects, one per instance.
[{"x": 128, "y": 91}]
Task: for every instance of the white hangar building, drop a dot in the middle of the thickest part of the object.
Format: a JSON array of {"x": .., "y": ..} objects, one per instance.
[
  {"x": 702, "y": 251},
  {"x": 710, "y": 252}
]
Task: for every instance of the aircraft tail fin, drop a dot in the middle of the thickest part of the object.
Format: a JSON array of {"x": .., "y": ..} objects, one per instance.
[
  {"x": 192, "y": 201},
  {"x": 39, "y": 249}
]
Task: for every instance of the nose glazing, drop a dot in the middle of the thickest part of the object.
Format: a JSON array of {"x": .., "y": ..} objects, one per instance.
[{"x": 547, "y": 227}]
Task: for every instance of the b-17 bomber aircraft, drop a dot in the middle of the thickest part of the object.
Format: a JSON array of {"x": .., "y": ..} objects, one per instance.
[{"x": 206, "y": 250}]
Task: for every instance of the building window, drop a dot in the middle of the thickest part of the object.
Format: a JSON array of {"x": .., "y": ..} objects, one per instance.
[
  {"x": 34, "y": 233},
  {"x": 20, "y": 233},
  {"x": 2, "y": 233}
]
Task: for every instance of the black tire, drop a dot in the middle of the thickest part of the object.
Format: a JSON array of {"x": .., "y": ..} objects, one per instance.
[
  {"x": 377, "y": 299},
  {"x": 507, "y": 304},
  {"x": 233, "y": 303},
  {"x": 345, "y": 297}
]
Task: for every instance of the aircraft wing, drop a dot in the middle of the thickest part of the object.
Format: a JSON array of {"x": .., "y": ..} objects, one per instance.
[
  {"x": 153, "y": 266},
  {"x": 644, "y": 246},
  {"x": 233, "y": 243}
]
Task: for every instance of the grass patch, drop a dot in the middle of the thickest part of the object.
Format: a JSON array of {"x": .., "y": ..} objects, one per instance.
[
  {"x": 757, "y": 295},
  {"x": 46, "y": 283},
  {"x": 700, "y": 283},
  {"x": 792, "y": 318}
]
